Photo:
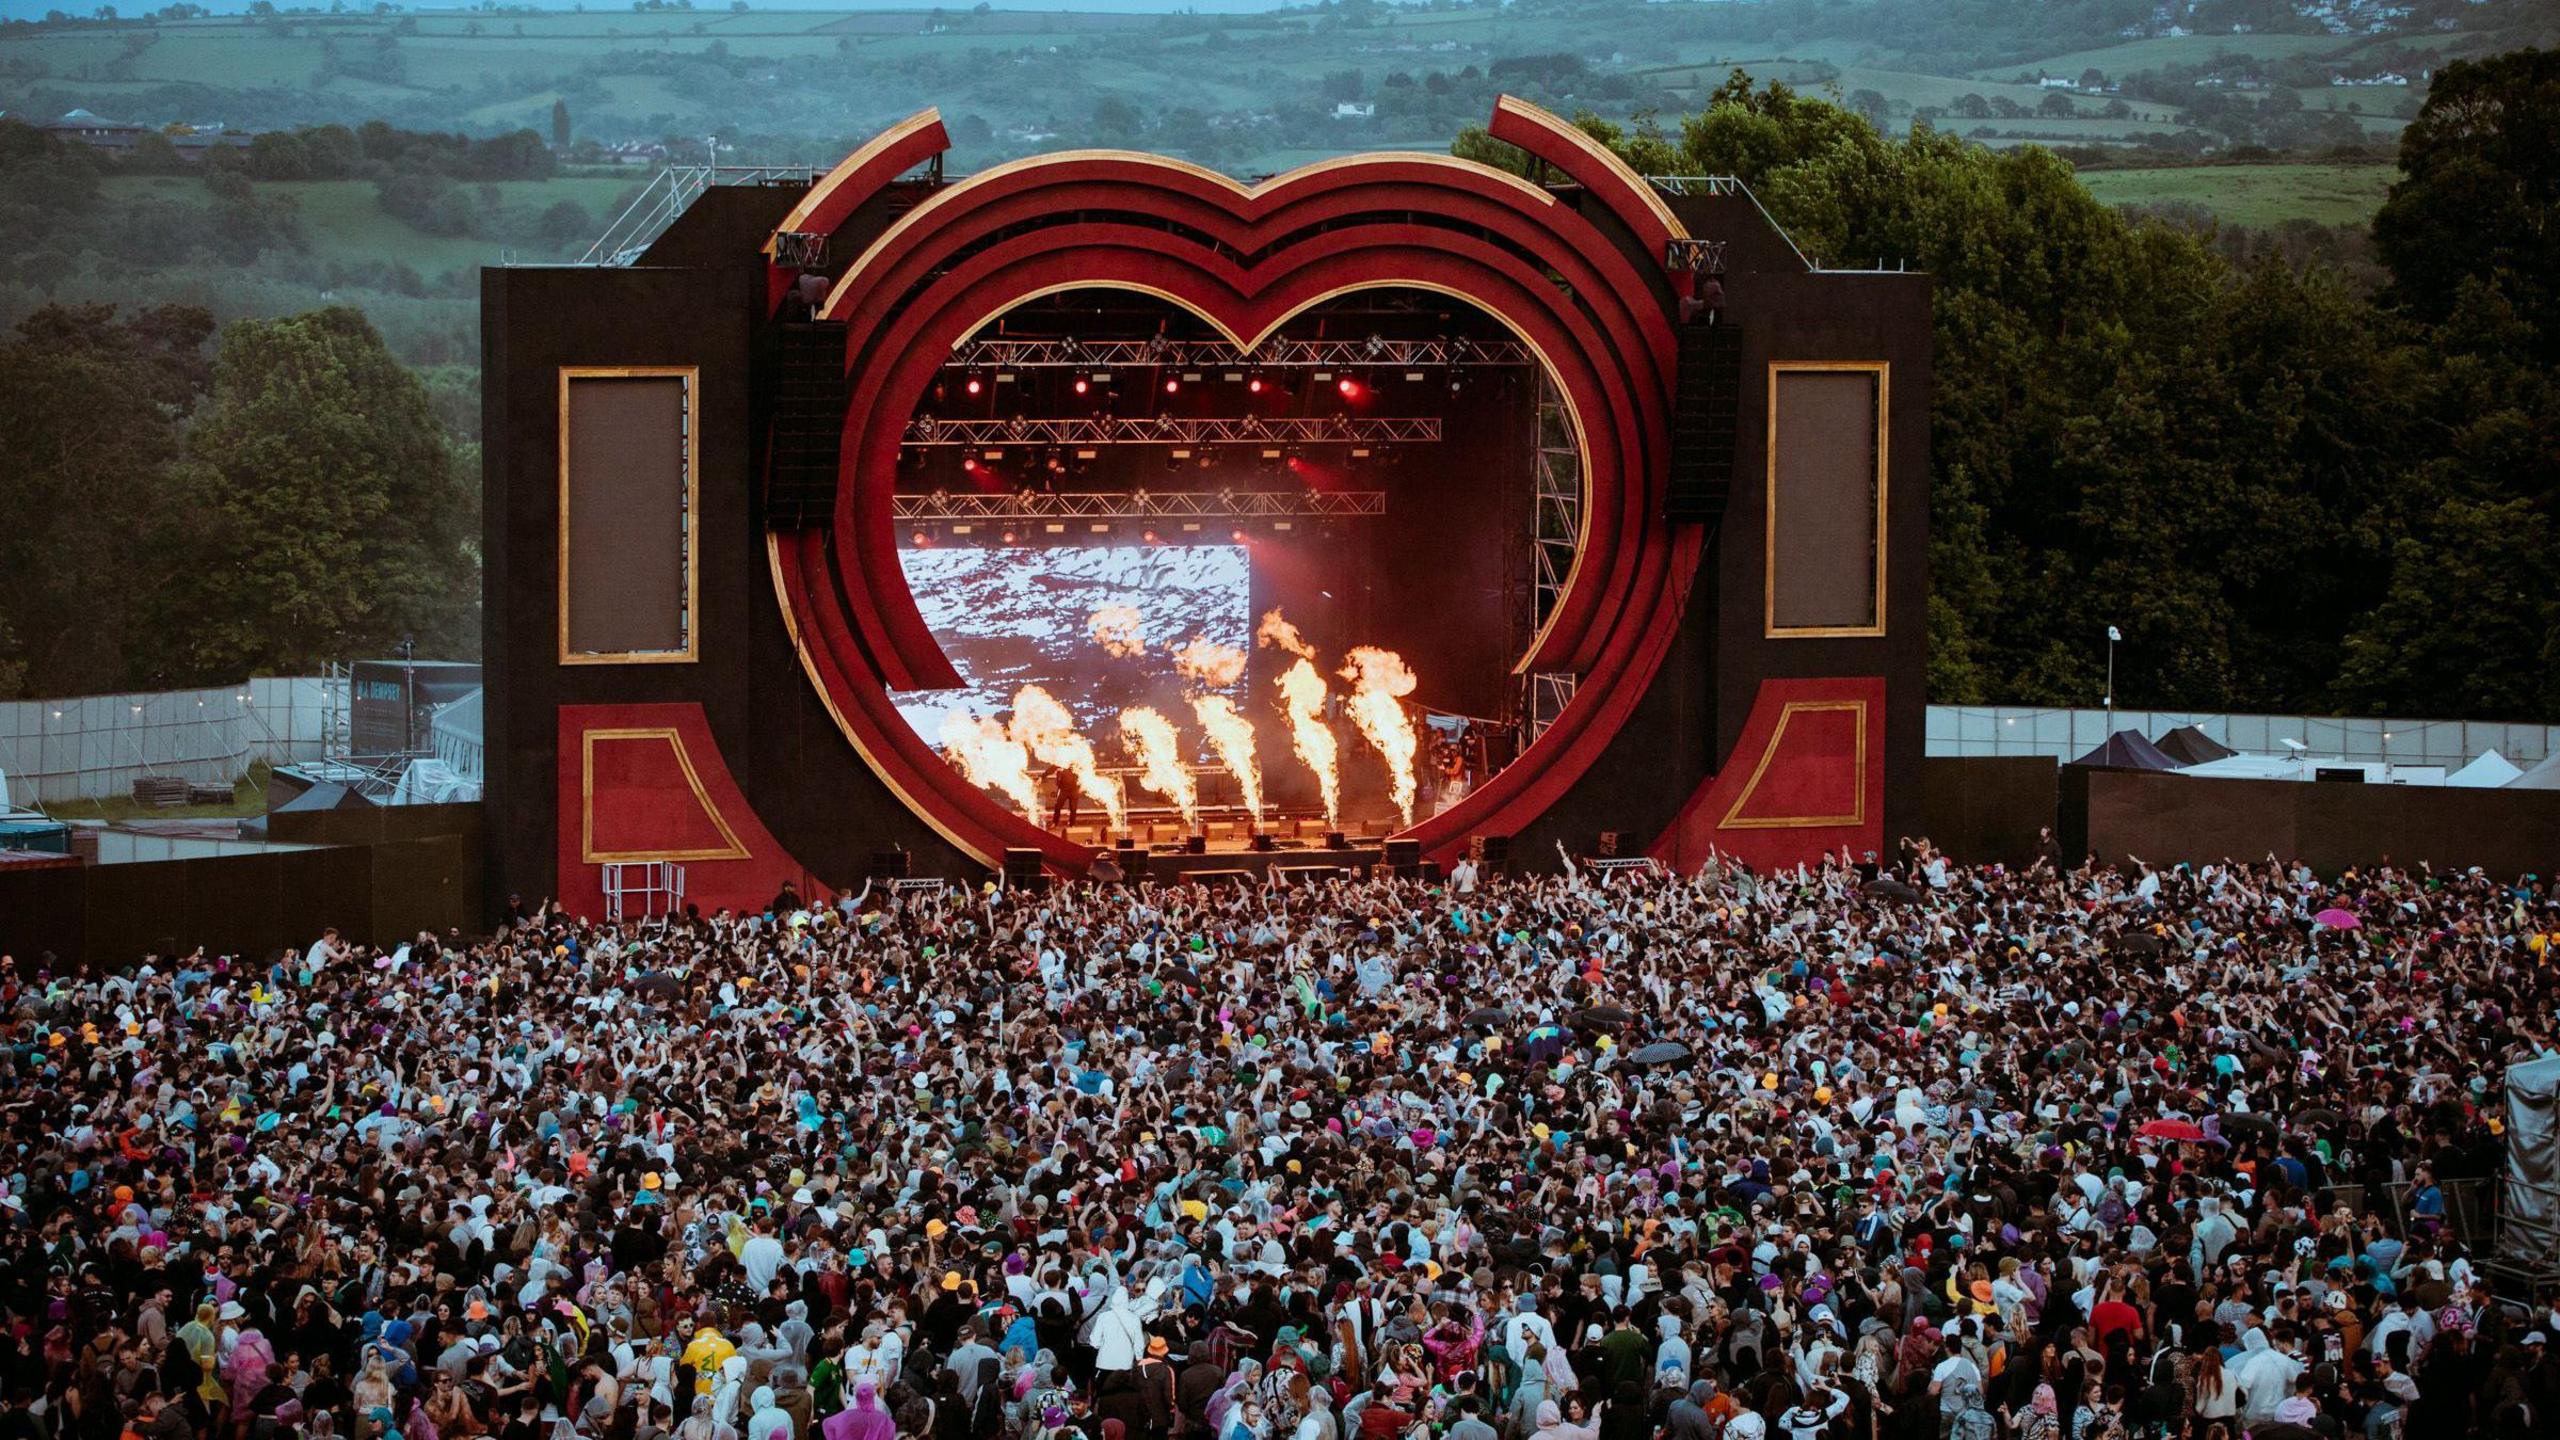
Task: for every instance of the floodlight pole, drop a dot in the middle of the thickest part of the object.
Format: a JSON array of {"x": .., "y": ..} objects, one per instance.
[{"x": 2113, "y": 635}]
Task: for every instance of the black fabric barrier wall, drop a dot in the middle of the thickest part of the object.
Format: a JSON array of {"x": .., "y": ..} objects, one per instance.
[{"x": 2330, "y": 826}]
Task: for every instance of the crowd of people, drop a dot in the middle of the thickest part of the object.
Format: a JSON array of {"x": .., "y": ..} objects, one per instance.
[{"x": 1928, "y": 1151}]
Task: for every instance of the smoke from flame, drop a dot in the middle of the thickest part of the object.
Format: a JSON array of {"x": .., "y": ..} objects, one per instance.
[
  {"x": 1379, "y": 680},
  {"x": 1212, "y": 664},
  {"x": 981, "y": 750},
  {"x": 1231, "y": 735},
  {"x": 1302, "y": 697},
  {"x": 1276, "y": 631},
  {"x": 1048, "y": 730},
  {"x": 1119, "y": 629},
  {"x": 1160, "y": 766}
]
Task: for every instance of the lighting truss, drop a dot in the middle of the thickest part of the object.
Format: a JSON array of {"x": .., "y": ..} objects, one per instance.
[
  {"x": 1073, "y": 354},
  {"x": 1175, "y": 430},
  {"x": 1033, "y": 505},
  {"x": 1557, "y": 523}
]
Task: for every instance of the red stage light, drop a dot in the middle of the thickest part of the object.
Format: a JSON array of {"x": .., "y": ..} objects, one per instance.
[
  {"x": 1254, "y": 385},
  {"x": 1082, "y": 385},
  {"x": 1171, "y": 386},
  {"x": 1236, "y": 535},
  {"x": 1349, "y": 387},
  {"x": 1149, "y": 537},
  {"x": 1008, "y": 537},
  {"x": 973, "y": 387},
  {"x": 918, "y": 538},
  {"x": 970, "y": 464}
]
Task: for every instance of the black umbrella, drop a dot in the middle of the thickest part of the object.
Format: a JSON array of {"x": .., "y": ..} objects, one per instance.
[
  {"x": 2319, "y": 1117},
  {"x": 2258, "y": 1124},
  {"x": 1487, "y": 1016},
  {"x": 1601, "y": 1017},
  {"x": 1660, "y": 1052},
  {"x": 2139, "y": 942},
  {"x": 1890, "y": 889},
  {"x": 660, "y": 985}
]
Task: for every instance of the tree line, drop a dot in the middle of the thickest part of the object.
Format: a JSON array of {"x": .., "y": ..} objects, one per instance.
[
  {"x": 2291, "y": 490},
  {"x": 188, "y": 507}
]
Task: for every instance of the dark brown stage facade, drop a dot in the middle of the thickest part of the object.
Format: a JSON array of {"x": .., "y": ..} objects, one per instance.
[{"x": 713, "y": 468}]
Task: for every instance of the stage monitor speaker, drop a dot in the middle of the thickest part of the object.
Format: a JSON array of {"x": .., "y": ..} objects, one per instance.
[
  {"x": 1404, "y": 859},
  {"x": 808, "y": 425},
  {"x": 1492, "y": 853},
  {"x": 1022, "y": 869},
  {"x": 1705, "y": 424},
  {"x": 1135, "y": 864}
]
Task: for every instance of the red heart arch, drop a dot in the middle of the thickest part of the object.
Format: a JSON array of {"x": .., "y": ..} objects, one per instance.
[{"x": 1587, "y": 291}]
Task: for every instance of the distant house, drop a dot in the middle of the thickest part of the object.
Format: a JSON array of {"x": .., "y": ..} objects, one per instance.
[
  {"x": 97, "y": 130},
  {"x": 1354, "y": 110}
]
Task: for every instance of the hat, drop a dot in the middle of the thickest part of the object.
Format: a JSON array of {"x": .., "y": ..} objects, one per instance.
[
  {"x": 232, "y": 1310},
  {"x": 1155, "y": 1346},
  {"x": 2534, "y": 1337},
  {"x": 950, "y": 1278},
  {"x": 650, "y": 1181}
]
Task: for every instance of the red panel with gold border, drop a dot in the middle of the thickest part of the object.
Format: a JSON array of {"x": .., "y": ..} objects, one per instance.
[
  {"x": 643, "y": 783},
  {"x": 1806, "y": 778}
]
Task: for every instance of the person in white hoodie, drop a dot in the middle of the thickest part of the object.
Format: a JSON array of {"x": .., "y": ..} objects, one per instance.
[
  {"x": 2263, "y": 1375},
  {"x": 1119, "y": 1332}
]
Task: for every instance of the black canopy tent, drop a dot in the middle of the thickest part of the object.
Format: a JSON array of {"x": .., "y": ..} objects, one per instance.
[
  {"x": 2126, "y": 750},
  {"x": 2188, "y": 745}
]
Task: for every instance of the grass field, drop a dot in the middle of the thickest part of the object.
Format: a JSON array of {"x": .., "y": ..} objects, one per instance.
[
  {"x": 2254, "y": 194},
  {"x": 342, "y": 222}
]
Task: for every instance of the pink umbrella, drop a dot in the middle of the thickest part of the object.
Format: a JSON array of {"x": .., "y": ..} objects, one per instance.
[
  {"x": 2337, "y": 919},
  {"x": 2173, "y": 1130}
]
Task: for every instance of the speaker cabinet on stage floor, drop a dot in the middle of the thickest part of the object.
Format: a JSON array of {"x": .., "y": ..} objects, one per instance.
[
  {"x": 1022, "y": 870},
  {"x": 1492, "y": 853},
  {"x": 1404, "y": 859}
]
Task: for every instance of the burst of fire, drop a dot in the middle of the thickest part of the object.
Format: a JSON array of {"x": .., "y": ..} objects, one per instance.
[
  {"x": 1212, "y": 664},
  {"x": 1379, "y": 681},
  {"x": 1231, "y": 735},
  {"x": 981, "y": 750},
  {"x": 1119, "y": 629},
  {"x": 1276, "y": 631},
  {"x": 1302, "y": 698},
  {"x": 1160, "y": 768},
  {"x": 1048, "y": 730}
]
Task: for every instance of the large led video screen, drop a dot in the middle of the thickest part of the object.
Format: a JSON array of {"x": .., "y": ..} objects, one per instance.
[{"x": 1019, "y": 615}]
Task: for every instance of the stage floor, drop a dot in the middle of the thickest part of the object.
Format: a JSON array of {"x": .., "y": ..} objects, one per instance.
[{"x": 1246, "y": 866}]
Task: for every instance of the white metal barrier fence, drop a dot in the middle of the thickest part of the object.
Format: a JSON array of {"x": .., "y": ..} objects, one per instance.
[{"x": 79, "y": 747}]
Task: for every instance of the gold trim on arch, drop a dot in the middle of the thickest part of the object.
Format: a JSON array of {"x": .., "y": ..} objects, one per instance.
[
  {"x": 701, "y": 796},
  {"x": 863, "y": 155},
  {"x": 809, "y": 667},
  {"x": 1770, "y": 628},
  {"x": 1572, "y": 134},
  {"x": 1733, "y": 816},
  {"x": 692, "y": 651},
  {"x": 945, "y": 198}
]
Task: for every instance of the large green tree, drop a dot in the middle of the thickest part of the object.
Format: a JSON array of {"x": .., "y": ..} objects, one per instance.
[
  {"x": 90, "y": 445},
  {"x": 2478, "y": 197},
  {"x": 2250, "y": 468},
  {"x": 326, "y": 514}
]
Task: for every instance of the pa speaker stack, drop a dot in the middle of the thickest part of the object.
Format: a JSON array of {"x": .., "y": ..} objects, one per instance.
[
  {"x": 1404, "y": 859},
  {"x": 891, "y": 864},
  {"x": 1492, "y": 853},
  {"x": 1022, "y": 869}
]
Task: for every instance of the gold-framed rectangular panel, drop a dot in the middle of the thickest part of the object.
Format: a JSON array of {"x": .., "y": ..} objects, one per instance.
[
  {"x": 1827, "y": 627},
  {"x": 687, "y": 644},
  {"x": 730, "y": 849}
]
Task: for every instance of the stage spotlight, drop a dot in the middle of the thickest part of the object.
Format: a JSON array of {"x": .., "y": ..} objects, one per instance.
[
  {"x": 1148, "y": 535},
  {"x": 1236, "y": 535},
  {"x": 1008, "y": 537},
  {"x": 1349, "y": 387},
  {"x": 974, "y": 385},
  {"x": 1083, "y": 385},
  {"x": 1253, "y": 386},
  {"x": 919, "y": 539},
  {"x": 1171, "y": 385}
]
